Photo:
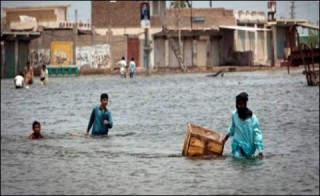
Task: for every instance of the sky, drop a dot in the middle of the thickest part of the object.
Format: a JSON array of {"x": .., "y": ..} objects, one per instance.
[{"x": 308, "y": 10}]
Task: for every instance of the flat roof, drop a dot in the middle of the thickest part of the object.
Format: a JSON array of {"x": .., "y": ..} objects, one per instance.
[
  {"x": 242, "y": 28},
  {"x": 19, "y": 35},
  {"x": 20, "y": 8},
  {"x": 309, "y": 26}
]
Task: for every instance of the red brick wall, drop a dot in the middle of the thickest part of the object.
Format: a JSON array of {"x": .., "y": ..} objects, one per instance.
[
  {"x": 127, "y": 14},
  {"x": 118, "y": 14}
]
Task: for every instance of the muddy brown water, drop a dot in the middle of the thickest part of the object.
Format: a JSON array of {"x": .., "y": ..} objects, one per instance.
[{"x": 142, "y": 154}]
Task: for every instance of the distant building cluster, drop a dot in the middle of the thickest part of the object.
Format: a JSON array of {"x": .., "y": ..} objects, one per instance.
[{"x": 205, "y": 37}]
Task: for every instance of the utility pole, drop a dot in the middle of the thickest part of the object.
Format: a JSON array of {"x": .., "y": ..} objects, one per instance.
[
  {"x": 146, "y": 50},
  {"x": 180, "y": 45},
  {"x": 292, "y": 10},
  {"x": 272, "y": 46},
  {"x": 75, "y": 37},
  {"x": 191, "y": 36}
]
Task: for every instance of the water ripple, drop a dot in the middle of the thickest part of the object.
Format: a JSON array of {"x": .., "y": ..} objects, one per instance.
[{"x": 142, "y": 154}]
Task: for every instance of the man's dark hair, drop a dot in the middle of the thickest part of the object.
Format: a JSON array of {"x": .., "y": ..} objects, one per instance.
[
  {"x": 242, "y": 97},
  {"x": 35, "y": 123},
  {"x": 104, "y": 95},
  {"x": 28, "y": 63}
]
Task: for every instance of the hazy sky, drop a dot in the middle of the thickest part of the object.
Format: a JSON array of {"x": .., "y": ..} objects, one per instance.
[{"x": 308, "y": 10}]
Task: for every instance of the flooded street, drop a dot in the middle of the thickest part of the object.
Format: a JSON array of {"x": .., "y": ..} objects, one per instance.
[{"x": 142, "y": 154}]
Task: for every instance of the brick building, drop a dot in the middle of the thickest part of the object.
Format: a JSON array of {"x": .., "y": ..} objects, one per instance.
[
  {"x": 208, "y": 37},
  {"x": 123, "y": 18}
]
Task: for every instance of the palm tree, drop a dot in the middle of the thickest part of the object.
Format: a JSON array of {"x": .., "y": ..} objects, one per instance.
[{"x": 183, "y": 4}]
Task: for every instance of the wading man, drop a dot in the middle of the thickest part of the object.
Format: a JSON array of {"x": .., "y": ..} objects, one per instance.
[{"x": 245, "y": 129}]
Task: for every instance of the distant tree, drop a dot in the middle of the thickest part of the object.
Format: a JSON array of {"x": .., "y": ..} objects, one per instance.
[{"x": 183, "y": 4}]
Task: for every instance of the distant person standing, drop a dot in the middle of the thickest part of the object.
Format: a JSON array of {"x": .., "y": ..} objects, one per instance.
[
  {"x": 28, "y": 73},
  {"x": 19, "y": 80},
  {"x": 123, "y": 65},
  {"x": 100, "y": 118},
  {"x": 132, "y": 67},
  {"x": 44, "y": 75}
]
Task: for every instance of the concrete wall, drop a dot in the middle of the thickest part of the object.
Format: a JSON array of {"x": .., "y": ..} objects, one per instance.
[
  {"x": 42, "y": 14},
  {"x": 42, "y": 46},
  {"x": 201, "y": 54},
  {"x": 173, "y": 61},
  {"x": 214, "y": 56},
  {"x": 261, "y": 49},
  {"x": 204, "y": 48},
  {"x": 227, "y": 46},
  {"x": 187, "y": 43},
  {"x": 213, "y": 17},
  {"x": 280, "y": 43},
  {"x": 256, "y": 42},
  {"x": 159, "y": 49}
]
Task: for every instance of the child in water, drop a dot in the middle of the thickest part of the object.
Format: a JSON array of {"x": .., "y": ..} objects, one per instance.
[{"x": 36, "y": 127}]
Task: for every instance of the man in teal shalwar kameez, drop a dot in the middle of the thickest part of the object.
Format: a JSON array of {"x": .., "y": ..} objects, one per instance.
[{"x": 245, "y": 129}]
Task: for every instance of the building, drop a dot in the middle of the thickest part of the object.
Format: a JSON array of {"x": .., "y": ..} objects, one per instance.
[
  {"x": 44, "y": 15},
  {"x": 50, "y": 24},
  {"x": 197, "y": 32},
  {"x": 254, "y": 37},
  {"x": 20, "y": 26},
  {"x": 146, "y": 31},
  {"x": 124, "y": 18}
]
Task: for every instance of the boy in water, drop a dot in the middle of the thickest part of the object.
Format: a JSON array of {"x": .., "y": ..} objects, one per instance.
[
  {"x": 19, "y": 80},
  {"x": 36, "y": 127},
  {"x": 44, "y": 74},
  {"x": 28, "y": 74},
  {"x": 100, "y": 118}
]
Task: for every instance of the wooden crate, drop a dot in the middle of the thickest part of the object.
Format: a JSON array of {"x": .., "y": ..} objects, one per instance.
[{"x": 200, "y": 141}]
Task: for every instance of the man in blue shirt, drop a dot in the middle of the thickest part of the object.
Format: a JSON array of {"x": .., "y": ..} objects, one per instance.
[
  {"x": 245, "y": 129},
  {"x": 100, "y": 118}
]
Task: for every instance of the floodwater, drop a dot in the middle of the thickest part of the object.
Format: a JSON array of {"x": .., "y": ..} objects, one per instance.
[{"x": 142, "y": 154}]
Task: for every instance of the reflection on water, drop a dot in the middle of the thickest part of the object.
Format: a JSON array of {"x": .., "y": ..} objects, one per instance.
[{"x": 142, "y": 154}]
